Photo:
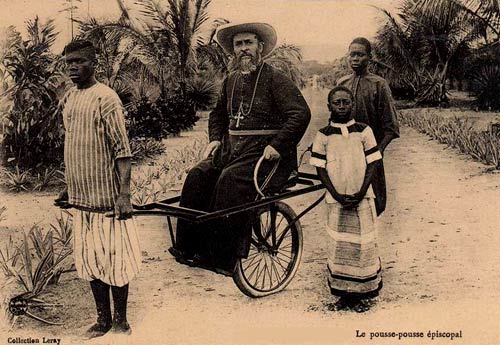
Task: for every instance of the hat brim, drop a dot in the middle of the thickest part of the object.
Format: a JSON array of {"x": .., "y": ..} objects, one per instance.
[{"x": 266, "y": 34}]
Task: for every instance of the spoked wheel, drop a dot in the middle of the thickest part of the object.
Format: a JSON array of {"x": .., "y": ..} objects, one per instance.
[{"x": 275, "y": 252}]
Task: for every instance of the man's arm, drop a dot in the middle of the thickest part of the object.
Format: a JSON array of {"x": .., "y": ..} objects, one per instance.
[
  {"x": 369, "y": 174},
  {"x": 389, "y": 116},
  {"x": 373, "y": 159},
  {"x": 218, "y": 120},
  {"x": 123, "y": 206},
  {"x": 293, "y": 109},
  {"x": 116, "y": 133}
]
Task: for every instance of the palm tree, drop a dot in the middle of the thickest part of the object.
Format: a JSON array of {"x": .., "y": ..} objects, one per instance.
[
  {"x": 425, "y": 41},
  {"x": 167, "y": 42}
]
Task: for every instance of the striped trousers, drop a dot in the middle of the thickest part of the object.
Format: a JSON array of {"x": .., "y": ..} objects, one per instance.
[{"x": 105, "y": 248}]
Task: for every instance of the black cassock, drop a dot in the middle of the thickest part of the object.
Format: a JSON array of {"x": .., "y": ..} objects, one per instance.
[{"x": 264, "y": 100}]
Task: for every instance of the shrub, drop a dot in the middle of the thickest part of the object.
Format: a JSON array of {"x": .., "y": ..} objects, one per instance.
[
  {"x": 32, "y": 128},
  {"x": 158, "y": 119},
  {"x": 3, "y": 210},
  {"x": 17, "y": 180},
  {"x": 179, "y": 113},
  {"x": 202, "y": 92},
  {"x": 144, "y": 120},
  {"x": 484, "y": 74},
  {"x": 152, "y": 183},
  {"x": 40, "y": 258},
  {"x": 485, "y": 86},
  {"x": 483, "y": 146},
  {"x": 146, "y": 148}
]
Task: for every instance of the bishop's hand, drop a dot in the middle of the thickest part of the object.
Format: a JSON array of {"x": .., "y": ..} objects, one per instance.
[
  {"x": 211, "y": 148},
  {"x": 270, "y": 153}
]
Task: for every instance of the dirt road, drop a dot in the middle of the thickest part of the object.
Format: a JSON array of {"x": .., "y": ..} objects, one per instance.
[{"x": 439, "y": 249}]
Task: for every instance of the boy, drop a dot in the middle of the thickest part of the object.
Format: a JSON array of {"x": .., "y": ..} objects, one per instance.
[
  {"x": 97, "y": 159},
  {"x": 372, "y": 105},
  {"x": 346, "y": 155}
]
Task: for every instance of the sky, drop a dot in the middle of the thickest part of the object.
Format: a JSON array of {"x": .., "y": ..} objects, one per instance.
[{"x": 322, "y": 28}]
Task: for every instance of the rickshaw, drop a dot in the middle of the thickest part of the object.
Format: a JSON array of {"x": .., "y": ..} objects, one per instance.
[
  {"x": 276, "y": 243},
  {"x": 277, "y": 239}
]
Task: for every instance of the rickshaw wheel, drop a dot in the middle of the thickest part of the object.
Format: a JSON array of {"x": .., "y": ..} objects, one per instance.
[{"x": 271, "y": 264}]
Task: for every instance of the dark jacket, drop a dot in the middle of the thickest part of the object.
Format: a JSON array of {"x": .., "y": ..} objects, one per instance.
[{"x": 278, "y": 104}]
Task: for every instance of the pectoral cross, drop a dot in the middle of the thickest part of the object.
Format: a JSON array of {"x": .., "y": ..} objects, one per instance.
[{"x": 239, "y": 115}]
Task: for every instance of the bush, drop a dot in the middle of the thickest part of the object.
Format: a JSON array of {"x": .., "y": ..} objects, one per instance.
[
  {"x": 485, "y": 86},
  {"x": 202, "y": 92},
  {"x": 32, "y": 128},
  {"x": 484, "y": 75},
  {"x": 147, "y": 119},
  {"x": 18, "y": 180},
  {"x": 146, "y": 148},
  {"x": 483, "y": 146}
]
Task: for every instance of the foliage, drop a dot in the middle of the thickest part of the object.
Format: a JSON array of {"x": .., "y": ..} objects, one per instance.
[
  {"x": 483, "y": 146},
  {"x": 143, "y": 148},
  {"x": 44, "y": 179},
  {"x": 288, "y": 58},
  {"x": 163, "y": 43},
  {"x": 32, "y": 127},
  {"x": 178, "y": 112},
  {"x": 339, "y": 69},
  {"x": 203, "y": 92},
  {"x": 425, "y": 42},
  {"x": 39, "y": 259},
  {"x": 17, "y": 181},
  {"x": 3, "y": 210},
  {"x": 152, "y": 183},
  {"x": 147, "y": 119},
  {"x": 484, "y": 75},
  {"x": 144, "y": 120}
]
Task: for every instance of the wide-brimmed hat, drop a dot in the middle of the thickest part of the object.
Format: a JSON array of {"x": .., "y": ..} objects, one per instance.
[{"x": 266, "y": 33}]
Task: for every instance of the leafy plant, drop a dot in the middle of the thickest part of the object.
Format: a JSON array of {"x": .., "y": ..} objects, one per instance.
[
  {"x": 426, "y": 44},
  {"x": 44, "y": 179},
  {"x": 203, "y": 92},
  {"x": 17, "y": 180},
  {"x": 8, "y": 257},
  {"x": 3, "y": 210},
  {"x": 146, "y": 148},
  {"x": 483, "y": 146},
  {"x": 63, "y": 229},
  {"x": 32, "y": 128}
]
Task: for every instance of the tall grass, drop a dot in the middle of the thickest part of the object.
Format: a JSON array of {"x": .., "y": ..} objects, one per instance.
[{"x": 459, "y": 133}]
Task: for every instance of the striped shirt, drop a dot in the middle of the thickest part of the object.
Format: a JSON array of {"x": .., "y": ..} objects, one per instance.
[
  {"x": 344, "y": 150},
  {"x": 95, "y": 137}
]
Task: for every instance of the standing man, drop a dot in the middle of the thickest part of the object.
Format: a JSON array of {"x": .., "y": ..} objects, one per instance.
[
  {"x": 97, "y": 159},
  {"x": 373, "y": 105},
  {"x": 260, "y": 112}
]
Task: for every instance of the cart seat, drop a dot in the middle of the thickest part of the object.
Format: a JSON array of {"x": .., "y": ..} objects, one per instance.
[{"x": 291, "y": 182}]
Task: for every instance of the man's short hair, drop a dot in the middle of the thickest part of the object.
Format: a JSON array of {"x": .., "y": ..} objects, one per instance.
[
  {"x": 363, "y": 41},
  {"x": 81, "y": 45},
  {"x": 338, "y": 89}
]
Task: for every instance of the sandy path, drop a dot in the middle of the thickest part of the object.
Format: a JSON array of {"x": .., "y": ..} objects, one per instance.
[{"x": 438, "y": 243}]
